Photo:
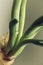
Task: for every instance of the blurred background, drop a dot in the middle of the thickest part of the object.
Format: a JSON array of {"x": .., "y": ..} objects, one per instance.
[{"x": 32, "y": 54}]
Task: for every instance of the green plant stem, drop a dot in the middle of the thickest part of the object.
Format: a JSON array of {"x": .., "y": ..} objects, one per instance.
[
  {"x": 13, "y": 29},
  {"x": 16, "y": 9},
  {"x": 21, "y": 25},
  {"x": 21, "y": 20}
]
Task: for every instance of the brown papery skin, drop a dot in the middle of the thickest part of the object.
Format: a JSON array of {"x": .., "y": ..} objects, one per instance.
[{"x": 4, "y": 60}]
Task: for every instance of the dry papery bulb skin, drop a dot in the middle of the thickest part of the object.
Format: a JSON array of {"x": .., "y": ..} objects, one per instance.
[
  {"x": 3, "y": 42},
  {"x": 4, "y": 39}
]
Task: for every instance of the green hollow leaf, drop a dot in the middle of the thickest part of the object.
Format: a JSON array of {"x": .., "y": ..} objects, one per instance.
[{"x": 16, "y": 9}]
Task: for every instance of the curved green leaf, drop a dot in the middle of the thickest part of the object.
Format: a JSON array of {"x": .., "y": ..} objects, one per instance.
[
  {"x": 34, "y": 29},
  {"x": 34, "y": 41}
]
